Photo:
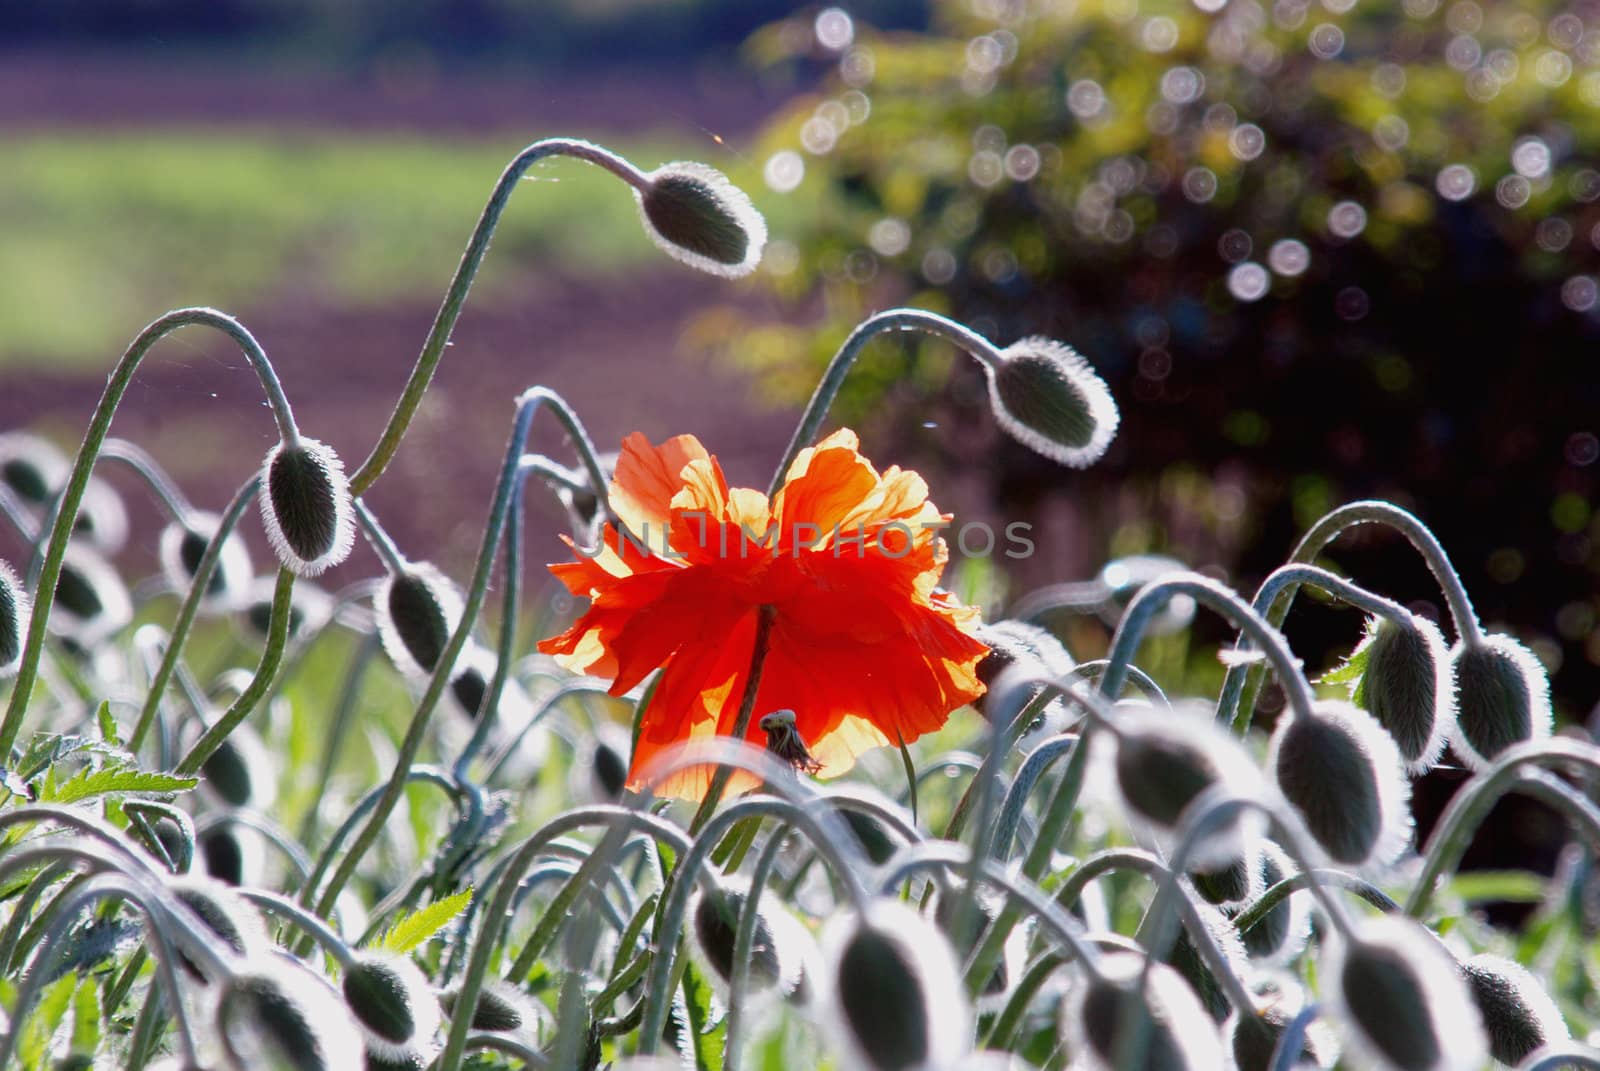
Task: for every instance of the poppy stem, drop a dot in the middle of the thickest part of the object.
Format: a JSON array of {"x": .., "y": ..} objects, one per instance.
[{"x": 741, "y": 724}]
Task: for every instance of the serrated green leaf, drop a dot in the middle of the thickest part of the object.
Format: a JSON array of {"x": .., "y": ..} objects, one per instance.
[
  {"x": 46, "y": 1018},
  {"x": 1351, "y": 669},
  {"x": 709, "y": 1031},
  {"x": 422, "y": 924},
  {"x": 108, "y": 724},
  {"x": 87, "y": 784},
  {"x": 86, "y": 1019}
]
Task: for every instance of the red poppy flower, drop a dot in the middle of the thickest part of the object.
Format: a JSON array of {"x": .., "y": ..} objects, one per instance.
[{"x": 862, "y": 646}]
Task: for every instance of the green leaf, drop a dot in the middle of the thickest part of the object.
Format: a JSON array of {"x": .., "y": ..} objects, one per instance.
[
  {"x": 710, "y": 1037},
  {"x": 47, "y": 1016},
  {"x": 86, "y": 1019},
  {"x": 911, "y": 773},
  {"x": 1351, "y": 669},
  {"x": 1513, "y": 886},
  {"x": 108, "y": 724},
  {"x": 87, "y": 784},
  {"x": 422, "y": 924}
]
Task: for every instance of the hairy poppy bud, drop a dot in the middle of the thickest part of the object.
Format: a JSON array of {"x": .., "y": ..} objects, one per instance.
[
  {"x": 896, "y": 990},
  {"x": 777, "y": 951},
  {"x": 1281, "y": 936},
  {"x": 1008, "y": 970},
  {"x": 1403, "y": 1004},
  {"x": 876, "y": 841},
  {"x": 1179, "y": 1035},
  {"x": 305, "y": 506},
  {"x": 1253, "y": 1038},
  {"x": 232, "y": 854},
  {"x": 102, "y": 518},
  {"x": 1185, "y": 958},
  {"x": 394, "y": 1006},
  {"x": 1233, "y": 884},
  {"x": 14, "y": 611},
  {"x": 1343, "y": 773},
  {"x": 418, "y": 608},
  {"x": 309, "y": 608},
  {"x": 33, "y": 468},
  {"x": 91, "y": 602},
  {"x": 240, "y": 772},
  {"x": 1502, "y": 698},
  {"x": 1163, "y": 761},
  {"x": 502, "y": 1008},
  {"x": 1518, "y": 1015},
  {"x": 279, "y": 1015},
  {"x": 231, "y": 918},
  {"x": 608, "y": 766},
  {"x": 1048, "y": 398},
  {"x": 700, "y": 218},
  {"x": 184, "y": 543},
  {"x": 1020, "y": 647},
  {"x": 1406, "y": 684}
]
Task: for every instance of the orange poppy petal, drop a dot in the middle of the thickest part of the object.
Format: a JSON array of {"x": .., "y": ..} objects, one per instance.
[{"x": 646, "y": 478}]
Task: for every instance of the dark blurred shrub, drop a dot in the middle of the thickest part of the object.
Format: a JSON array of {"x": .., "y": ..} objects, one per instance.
[{"x": 1320, "y": 250}]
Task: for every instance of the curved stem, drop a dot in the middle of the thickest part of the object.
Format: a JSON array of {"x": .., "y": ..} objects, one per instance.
[
  {"x": 546, "y": 705},
  {"x": 1284, "y": 582},
  {"x": 658, "y": 985},
  {"x": 1153, "y": 596},
  {"x": 744, "y": 939},
  {"x": 268, "y": 830},
  {"x": 1252, "y": 916},
  {"x": 931, "y": 854},
  {"x": 260, "y": 682},
  {"x": 1565, "y": 1055},
  {"x": 338, "y": 727},
  {"x": 278, "y": 904},
  {"x": 428, "y": 774},
  {"x": 455, "y": 297},
  {"x": 378, "y": 539},
  {"x": 1291, "y": 1045},
  {"x": 828, "y": 389},
  {"x": 190, "y": 607},
  {"x": 505, "y": 889},
  {"x": 1242, "y": 682},
  {"x": 765, "y": 615},
  {"x": 1033, "y": 767},
  {"x": 66, "y": 510},
  {"x": 1473, "y": 801},
  {"x": 97, "y": 888},
  {"x": 488, "y": 712},
  {"x": 136, "y": 458},
  {"x": 528, "y": 405}
]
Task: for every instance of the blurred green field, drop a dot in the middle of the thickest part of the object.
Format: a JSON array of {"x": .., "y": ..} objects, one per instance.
[{"x": 103, "y": 232}]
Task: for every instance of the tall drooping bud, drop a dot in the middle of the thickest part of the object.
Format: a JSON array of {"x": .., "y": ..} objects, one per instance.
[
  {"x": 275, "y": 1014},
  {"x": 305, "y": 506},
  {"x": 1048, "y": 398},
  {"x": 1016, "y": 646},
  {"x": 394, "y": 1006},
  {"x": 1518, "y": 1015},
  {"x": 225, "y": 914},
  {"x": 1402, "y": 1002},
  {"x": 184, "y": 542},
  {"x": 1343, "y": 773},
  {"x": 895, "y": 991},
  {"x": 502, "y": 1008},
  {"x": 695, "y": 215},
  {"x": 778, "y": 949},
  {"x": 1502, "y": 698},
  {"x": 91, "y": 600},
  {"x": 1406, "y": 684},
  {"x": 1282, "y": 934},
  {"x": 14, "y": 611},
  {"x": 309, "y": 608},
  {"x": 1253, "y": 1038},
  {"x": 1164, "y": 761},
  {"x": 417, "y": 609},
  {"x": 1178, "y": 1034}
]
